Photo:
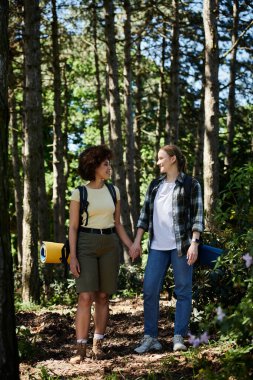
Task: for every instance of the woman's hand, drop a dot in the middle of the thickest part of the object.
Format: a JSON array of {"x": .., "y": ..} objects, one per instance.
[
  {"x": 135, "y": 250},
  {"x": 192, "y": 253},
  {"x": 74, "y": 266}
]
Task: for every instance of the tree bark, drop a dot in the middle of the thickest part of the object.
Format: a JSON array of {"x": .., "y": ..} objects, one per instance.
[
  {"x": 198, "y": 161},
  {"x": 210, "y": 167},
  {"x": 114, "y": 111},
  {"x": 32, "y": 133},
  {"x": 138, "y": 123},
  {"x": 231, "y": 93},
  {"x": 66, "y": 123},
  {"x": 130, "y": 151},
  {"x": 97, "y": 75},
  {"x": 18, "y": 180},
  {"x": 172, "y": 127},
  {"x": 160, "y": 127},
  {"x": 59, "y": 187},
  {"x": 9, "y": 367}
]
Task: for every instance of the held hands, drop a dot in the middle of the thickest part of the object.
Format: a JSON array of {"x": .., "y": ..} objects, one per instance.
[
  {"x": 192, "y": 254},
  {"x": 74, "y": 266},
  {"x": 135, "y": 251}
]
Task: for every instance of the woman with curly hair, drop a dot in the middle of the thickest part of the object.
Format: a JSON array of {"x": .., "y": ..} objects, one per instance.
[{"x": 94, "y": 247}]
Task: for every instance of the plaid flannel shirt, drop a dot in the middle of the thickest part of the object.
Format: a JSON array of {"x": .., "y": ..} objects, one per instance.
[{"x": 185, "y": 219}]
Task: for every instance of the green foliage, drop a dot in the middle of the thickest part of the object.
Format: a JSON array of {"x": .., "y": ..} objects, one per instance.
[
  {"x": 64, "y": 293},
  {"x": 130, "y": 280},
  {"x": 219, "y": 285},
  {"x": 26, "y": 343},
  {"x": 236, "y": 326},
  {"x": 228, "y": 287},
  {"x": 235, "y": 207},
  {"x": 234, "y": 364},
  {"x": 44, "y": 375}
]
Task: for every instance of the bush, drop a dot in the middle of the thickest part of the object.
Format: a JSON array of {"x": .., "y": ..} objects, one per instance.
[{"x": 130, "y": 280}]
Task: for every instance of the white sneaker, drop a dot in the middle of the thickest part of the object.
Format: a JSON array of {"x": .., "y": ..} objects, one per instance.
[
  {"x": 178, "y": 343},
  {"x": 147, "y": 344}
]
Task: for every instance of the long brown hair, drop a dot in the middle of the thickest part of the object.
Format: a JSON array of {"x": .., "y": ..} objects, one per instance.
[{"x": 173, "y": 150}]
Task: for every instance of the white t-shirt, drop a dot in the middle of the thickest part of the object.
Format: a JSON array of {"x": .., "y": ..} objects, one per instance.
[
  {"x": 164, "y": 236},
  {"x": 101, "y": 207}
]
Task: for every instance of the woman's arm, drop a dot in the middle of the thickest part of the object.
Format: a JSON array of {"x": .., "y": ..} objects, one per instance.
[
  {"x": 73, "y": 231},
  {"x": 120, "y": 228},
  {"x": 135, "y": 250}
]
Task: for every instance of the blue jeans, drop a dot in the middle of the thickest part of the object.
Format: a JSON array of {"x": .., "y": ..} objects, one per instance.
[{"x": 156, "y": 269}]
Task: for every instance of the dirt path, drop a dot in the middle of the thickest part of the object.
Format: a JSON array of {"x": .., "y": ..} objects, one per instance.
[{"x": 52, "y": 332}]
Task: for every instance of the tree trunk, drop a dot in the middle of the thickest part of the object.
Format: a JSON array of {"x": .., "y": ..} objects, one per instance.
[
  {"x": 130, "y": 152},
  {"x": 32, "y": 133},
  {"x": 172, "y": 128},
  {"x": 137, "y": 124},
  {"x": 114, "y": 111},
  {"x": 231, "y": 94},
  {"x": 9, "y": 368},
  {"x": 18, "y": 181},
  {"x": 66, "y": 123},
  {"x": 97, "y": 71},
  {"x": 160, "y": 127},
  {"x": 211, "y": 177},
  {"x": 198, "y": 151},
  {"x": 58, "y": 163}
]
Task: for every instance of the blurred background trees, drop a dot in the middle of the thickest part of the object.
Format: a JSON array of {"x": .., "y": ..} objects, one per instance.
[{"x": 135, "y": 75}]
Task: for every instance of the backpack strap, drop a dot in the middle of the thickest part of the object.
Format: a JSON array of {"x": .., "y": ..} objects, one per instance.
[
  {"x": 112, "y": 191},
  {"x": 64, "y": 257},
  {"x": 84, "y": 201},
  {"x": 83, "y": 204}
]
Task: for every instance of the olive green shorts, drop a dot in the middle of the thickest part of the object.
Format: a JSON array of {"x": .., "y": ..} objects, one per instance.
[{"x": 99, "y": 257}]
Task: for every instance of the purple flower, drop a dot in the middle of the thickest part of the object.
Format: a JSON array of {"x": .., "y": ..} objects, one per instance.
[
  {"x": 191, "y": 338},
  {"x": 220, "y": 313},
  {"x": 248, "y": 260},
  {"x": 197, "y": 341},
  {"x": 204, "y": 338}
]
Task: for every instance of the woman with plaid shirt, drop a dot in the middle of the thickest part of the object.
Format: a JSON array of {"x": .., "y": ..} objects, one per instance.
[{"x": 174, "y": 224}]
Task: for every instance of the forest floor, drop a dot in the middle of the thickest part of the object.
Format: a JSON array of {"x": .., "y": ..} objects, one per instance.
[{"x": 53, "y": 335}]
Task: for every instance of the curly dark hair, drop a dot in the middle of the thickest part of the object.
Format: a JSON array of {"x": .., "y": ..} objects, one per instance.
[{"x": 90, "y": 159}]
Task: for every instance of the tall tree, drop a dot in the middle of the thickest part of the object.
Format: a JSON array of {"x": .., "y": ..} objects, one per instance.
[
  {"x": 114, "y": 110},
  {"x": 172, "y": 128},
  {"x": 18, "y": 180},
  {"x": 9, "y": 368},
  {"x": 32, "y": 134},
  {"x": 160, "y": 127},
  {"x": 211, "y": 104},
  {"x": 130, "y": 151},
  {"x": 97, "y": 71},
  {"x": 138, "y": 121},
  {"x": 199, "y": 144},
  {"x": 59, "y": 185},
  {"x": 231, "y": 93}
]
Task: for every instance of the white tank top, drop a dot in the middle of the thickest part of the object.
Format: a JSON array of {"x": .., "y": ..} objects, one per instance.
[{"x": 164, "y": 236}]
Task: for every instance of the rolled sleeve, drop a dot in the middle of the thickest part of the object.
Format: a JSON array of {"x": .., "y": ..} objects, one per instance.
[{"x": 197, "y": 207}]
